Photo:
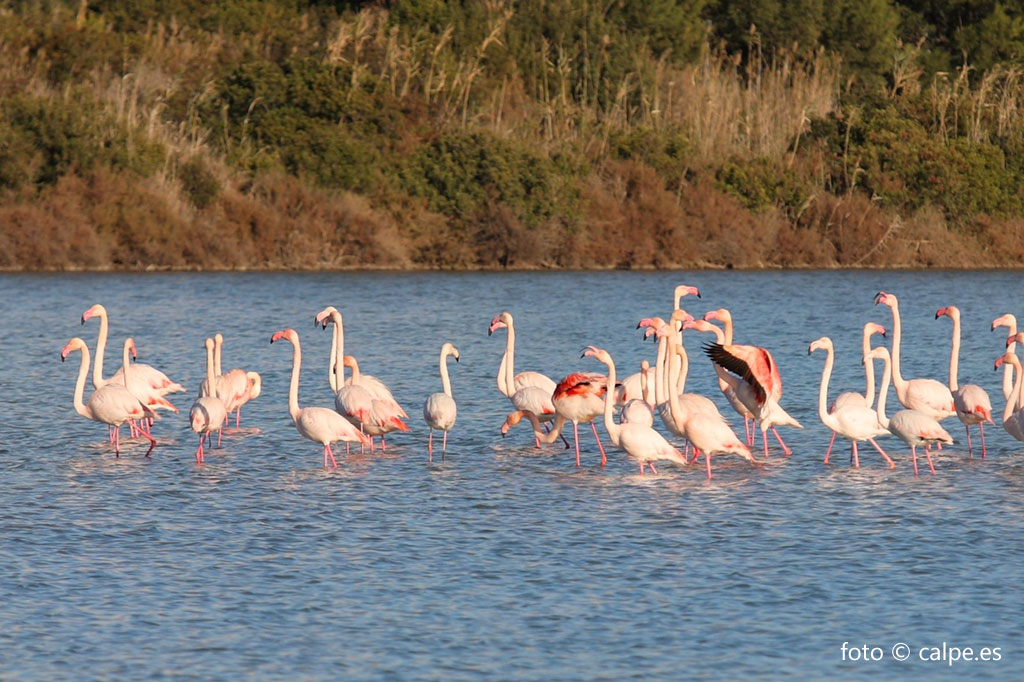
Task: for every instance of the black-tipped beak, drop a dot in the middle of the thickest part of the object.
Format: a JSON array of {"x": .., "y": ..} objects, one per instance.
[
  {"x": 698, "y": 293},
  {"x": 456, "y": 358},
  {"x": 62, "y": 358},
  {"x": 83, "y": 320},
  {"x": 637, "y": 325}
]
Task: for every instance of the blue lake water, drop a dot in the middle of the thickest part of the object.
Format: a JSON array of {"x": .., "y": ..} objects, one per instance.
[{"x": 500, "y": 561}]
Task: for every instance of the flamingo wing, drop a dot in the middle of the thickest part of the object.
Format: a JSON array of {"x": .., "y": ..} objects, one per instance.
[
  {"x": 580, "y": 384},
  {"x": 753, "y": 364}
]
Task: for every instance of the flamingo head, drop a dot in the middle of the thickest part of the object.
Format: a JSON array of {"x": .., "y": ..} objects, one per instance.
[
  {"x": 685, "y": 290},
  {"x": 449, "y": 349},
  {"x": 645, "y": 365},
  {"x": 699, "y": 325},
  {"x": 596, "y": 353},
  {"x": 649, "y": 332},
  {"x": 873, "y": 328},
  {"x": 824, "y": 343},
  {"x": 1014, "y": 338},
  {"x": 289, "y": 334},
  {"x": 1006, "y": 358},
  {"x": 950, "y": 311},
  {"x": 877, "y": 353},
  {"x": 325, "y": 316},
  {"x": 93, "y": 311},
  {"x": 888, "y": 299},
  {"x": 1006, "y": 320},
  {"x": 71, "y": 346},
  {"x": 502, "y": 321},
  {"x": 208, "y": 344},
  {"x": 255, "y": 384},
  {"x": 350, "y": 361},
  {"x": 130, "y": 345},
  {"x": 680, "y": 315},
  {"x": 511, "y": 420},
  {"x": 663, "y": 331},
  {"x": 720, "y": 314}
]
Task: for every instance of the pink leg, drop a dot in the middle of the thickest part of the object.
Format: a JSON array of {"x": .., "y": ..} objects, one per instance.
[
  {"x": 576, "y": 438},
  {"x": 199, "y": 451},
  {"x": 604, "y": 458},
  {"x": 888, "y": 459},
  {"x": 930, "y": 465},
  {"x": 981, "y": 427},
  {"x": 764, "y": 440},
  {"x": 970, "y": 447},
  {"x": 219, "y": 432},
  {"x": 641, "y": 468},
  {"x": 383, "y": 444},
  {"x": 653, "y": 470},
  {"x": 117, "y": 443},
  {"x": 430, "y": 445},
  {"x": 696, "y": 454},
  {"x": 329, "y": 453},
  {"x": 938, "y": 446},
  {"x": 238, "y": 418},
  {"x": 785, "y": 449},
  {"x": 748, "y": 429},
  {"x": 830, "y": 444},
  {"x": 707, "y": 463},
  {"x": 856, "y": 456},
  {"x": 913, "y": 455},
  {"x": 444, "y": 442}
]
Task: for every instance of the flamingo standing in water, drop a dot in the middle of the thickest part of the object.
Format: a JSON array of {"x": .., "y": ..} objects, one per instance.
[
  {"x": 970, "y": 400},
  {"x": 235, "y": 387},
  {"x": 208, "y": 411},
  {"x": 1009, "y": 321},
  {"x": 924, "y": 395},
  {"x": 112, "y": 404},
  {"x": 318, "y": 424},
  {"x": 641, "y": 442},
  {"x": 853, "y": 421},
  {"x": 1013, "y": 423},
  {"x": 725, "y": 382},
  {"x": 439, "y": 410},
  {"x": 852, "y": 397},
  {"x": 507, "y": 366},
  {"x": 353, "y": 402},
  {"x": 912, "y": 426}
]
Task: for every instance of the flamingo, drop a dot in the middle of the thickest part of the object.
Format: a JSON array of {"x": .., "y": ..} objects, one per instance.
[
  {"x": 439, "y": 410},
  {"x": 925, "y": 395},
  {"x": 725, "y": 382},
  {"x": 855, "y": 422},
  {"x": 639, "y": 409},
  {"x": 386, "y": 414},
  {"x": 970, "y": 400},
  {"x": 208, "y": 411},
  {"x": 351, "y": 401},
  {"x": 318, "y": 424},
  {"x": 505, "y": 321},
  {"x": 1012, "y": 422},
  {"x": 852, "y": 397},
  {"x": 706, "y": 430},
  {"x": 112, "y": 404},
  {"x": 912, "y": 426},
  {"x": 236, "y": 387},
  {"x": 759, "y": 386},
  {"x": 641, "y": 442},
  {"x": 579, "y": 398},
  {"x": 1010, "y": 322}
]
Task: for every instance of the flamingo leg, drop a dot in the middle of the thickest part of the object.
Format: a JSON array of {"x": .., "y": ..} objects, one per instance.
[
  {"x": 748, "y": 430},
  {"x": 219, "y": 432},
  {"x": 199, "y": 450},
  {"x": 981, "y": 427},
  {"x": 931, "y": 466},
  {"x": 888, "y": 459},
  {"x": 653, "y": 470},
  {"x": 641, "y": 468},
  {"x": 785, "y": 449},
  {"x": 604, "y": 458},
  {"x": 430, "y": 445},
  {"x": 117, "y": 443},
  {"x": 444, "y": 443},
  {"x": 696, "y": 454},
  {"x": 913, "y": 455},
  {"x": 707, "y": 462},
  {"x": 856, "y": 456},
  {"x": 238, "y": 418},
  {"x": 576, "y": 438},
  {"x": 329, "y": 453},
  {"x": 970, "y": 447},
  {"x": 764, "y": 440},
  {"x": 383, "y": 444},
  {"x": 830, "y": 444}
]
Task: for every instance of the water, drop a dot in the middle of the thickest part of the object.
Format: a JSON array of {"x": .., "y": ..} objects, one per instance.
[{"x": 500, "y": 561}]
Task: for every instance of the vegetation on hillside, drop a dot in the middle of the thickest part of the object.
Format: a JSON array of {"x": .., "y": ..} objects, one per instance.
[{"x": 538, "y": 133}]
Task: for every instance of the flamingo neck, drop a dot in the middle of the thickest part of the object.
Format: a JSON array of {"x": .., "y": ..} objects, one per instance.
[
  {"x": 211, "y": 375},
  {"x": 897, "y": 336},
  {"x": 356, "y": 374},
  {"x": 101, "y": 344},
  {"x": 83, "y": 373},
  {"x": 684, "y": 367},
  {"x": 886, "y": 377},
  {"x": 645, "y": 389},
  {"x": 126, "y": 361},
  {"x": 659, "y": 372},
  {"x": 954, "y": 355},
  {"x": 501, "y": 379},
  {"x": 1008, "y": 369},
  {"x": 728, "y": 330},
  {"x": 510, "y": 360},
  {"x": 445, "y": 381},
  {"x": 869, "y": 368},
  {"x": 679, "y": 415},
  {"x": 827, "y": 419},
  {"x": 723, "y": 385},
  {"x": 293, "y": 388},
  {"x": 1013, "y": 401},
  {"x": 610, "y": 426},
  {"x": 217, "y": 344},
  {"x": 336, "y": 371}
]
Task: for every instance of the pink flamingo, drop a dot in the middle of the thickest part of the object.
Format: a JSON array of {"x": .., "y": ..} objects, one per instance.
[
  {"x": 112, "y": 404},
  {"x": 853, "y": 421},
  {"x": 912, "y": 426},
  {"x": 386, "y": 414},
  {"x": 579, "y": 398},
  {"x": 1010, "y": 322},
  {"x": 925, "y": 395},
  {"x": 1013, "y": 423},
  {"x": 726, "y": 382},
  {"x": 208, "y": 411},
  {"x": 351, "y": 401},
  {"x": 707, "y": 431},
  {"x": 439, "y": 409},
  {"x": 235, "y": 387},
  {"x": 318, "y": 424},
  {"x": 970, "y": 400},
  {"x": 866, "y": 399},
  {"x": 505, "y": 321},
  {"x": 641, "y": 442}
]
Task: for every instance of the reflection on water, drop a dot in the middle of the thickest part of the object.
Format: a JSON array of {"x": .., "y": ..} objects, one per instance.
[{"x": 498, "y": 560}]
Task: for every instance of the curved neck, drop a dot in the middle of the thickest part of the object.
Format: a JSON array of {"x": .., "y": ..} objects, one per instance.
[
  {"x": 101, "y": 345},
  {"x": 954, "y": 355},
  {"x": 827, "y": 419},
  {"x": 336, "y": 370},
  {"x": 217, "y": 344},
  {"x": 445, "y": 381},
  {"x": 356, "y": 374},
  {"x": 1013, "y": 402},
  {"x": 869, "y": 368},
  {"x": 728, "y": 330},
  {"x": 609, "y": 405},
  {"x": 83, "y": 373},
  {"x": 684, "y": 367},
  {"x": 723, "y": 385},
  {"x": 645, "y": 388},
  {"x": 675, "y": 407},
  {"x": 293, "y": 389},
  {"x": 894, "y": 363},
  {"x": 880, "y": 408},
  {"x": 502, "y": 379}
]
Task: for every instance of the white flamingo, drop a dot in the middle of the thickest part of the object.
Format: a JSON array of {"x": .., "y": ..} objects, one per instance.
[
  {"x": 439, "y": 409},
  {"x": 505, "y": 321},
  {"x": 971, "y": 401},
  {"x": 208, "y": 412},
  {"x": 855, "y": 422},
  {"x": 867, "y": 399},
  {"x": 1013, "y": 423},
  {"x": 318, "y": 424},
  {"x": 912, "y": 426},
  {"x": 112, "y": 404},
  {"x": 1010, "y": 322}
]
